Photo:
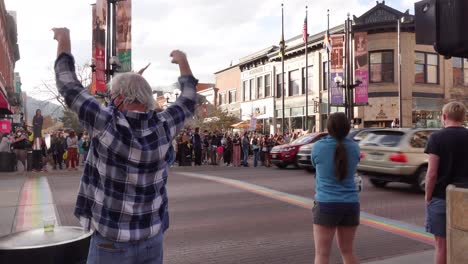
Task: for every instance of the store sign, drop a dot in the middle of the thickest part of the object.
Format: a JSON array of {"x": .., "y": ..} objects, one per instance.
[
  {"x": 337, "y": 94},
  {"x": 381, "y": 115},
  {"x": 361, "y": 66},
  {"x": 256, "y": 71}
]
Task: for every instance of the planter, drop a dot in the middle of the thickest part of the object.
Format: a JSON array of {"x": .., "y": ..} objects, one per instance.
[{"x": 63, "y": 245}]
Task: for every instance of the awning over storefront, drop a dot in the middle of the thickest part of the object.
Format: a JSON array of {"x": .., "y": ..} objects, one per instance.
[
  {"x": 264, "y": 116},
  {"x": 5, "y": 108},
  {"x": 245, "y": 124}
]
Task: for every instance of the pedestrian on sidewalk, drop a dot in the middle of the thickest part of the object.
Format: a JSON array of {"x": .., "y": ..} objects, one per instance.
[
  {"x": 215, "y": 142},
  {"x": 5, "y": 142},
  {"x": 256, "y": 150},
  {"x": 38, "y": 121},
  {"x": 236, "y": 151},
  {"x": 20, "y": 146},
  {"x": 197, "y": 147},
  {"x": 227, "y": 154},
  {"x": 85, "y": 145},
  {"x": 56, "y": 150},
  {"x": 336, "y": 208},
  {"x": 448, "y": 156},
  {"x": 245, "y": 149},
  {"x": 129, "y": 160},
  {"x": 37, "y": 154},
  {"x": 72, "y": 151}
]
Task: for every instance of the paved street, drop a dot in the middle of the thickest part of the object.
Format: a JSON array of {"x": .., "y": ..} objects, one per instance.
[{"x": 243, "y": 215}]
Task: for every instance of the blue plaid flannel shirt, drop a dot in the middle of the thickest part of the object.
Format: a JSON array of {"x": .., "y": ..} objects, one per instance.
[{"x": 122, "y": 192}]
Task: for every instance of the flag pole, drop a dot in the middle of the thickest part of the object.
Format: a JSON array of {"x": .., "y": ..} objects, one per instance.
[
  {"x": 306, "y": 41},
  {"x": 328, "y": 65},
  {"x": 282, "y": 68}
]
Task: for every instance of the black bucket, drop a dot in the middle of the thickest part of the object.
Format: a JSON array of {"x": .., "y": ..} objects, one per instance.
[{"x": 63, "y": 245}]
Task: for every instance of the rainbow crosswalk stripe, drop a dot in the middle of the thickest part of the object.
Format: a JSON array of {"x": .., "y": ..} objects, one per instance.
[
  {"x": 377, "y": 222},
  {"x": 35, "y": 204}
]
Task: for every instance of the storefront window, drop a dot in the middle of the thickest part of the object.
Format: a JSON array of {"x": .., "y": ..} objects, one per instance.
[{"x": 427, "y": 119}]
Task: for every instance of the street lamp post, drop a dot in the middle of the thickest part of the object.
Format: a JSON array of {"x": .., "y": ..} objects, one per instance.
[
  {"x": 169, "y": 96},
  {"x": 349, "y": 102},
  {"x": 400, "y": 86}
]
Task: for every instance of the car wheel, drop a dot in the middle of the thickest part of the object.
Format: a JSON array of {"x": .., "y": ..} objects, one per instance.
[
  {"x": 378, "y": 183},
  {"x": 420, "y": 183},
  {"x": 310, "y": 169}
]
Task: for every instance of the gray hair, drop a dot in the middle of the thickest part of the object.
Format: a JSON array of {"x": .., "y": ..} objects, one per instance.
[{"x": 134, "y": 89}]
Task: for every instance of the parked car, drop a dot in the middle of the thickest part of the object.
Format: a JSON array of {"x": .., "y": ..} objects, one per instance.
[
  {"x": 286, "y": 154},
  {"x": 395, "y": 155},
  {"x": 303, "y": 155}
]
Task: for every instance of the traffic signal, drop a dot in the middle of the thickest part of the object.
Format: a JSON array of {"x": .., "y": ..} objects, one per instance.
[{"x": 442, "y": 24}]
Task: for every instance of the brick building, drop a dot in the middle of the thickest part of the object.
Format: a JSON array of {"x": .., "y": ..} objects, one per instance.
[
  {"x": 9, "y": 54},
  {"x": 427, "y": 79}
]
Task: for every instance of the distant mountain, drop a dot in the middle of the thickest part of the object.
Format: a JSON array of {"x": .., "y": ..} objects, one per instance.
[{"x": 47, "y": 108}]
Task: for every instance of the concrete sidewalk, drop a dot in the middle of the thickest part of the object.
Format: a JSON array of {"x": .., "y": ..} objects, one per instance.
[
  {"x": 10, "y": 189},
  {"x": 419, "y": 257}
]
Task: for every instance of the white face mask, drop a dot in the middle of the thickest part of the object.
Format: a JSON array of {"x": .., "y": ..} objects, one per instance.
[{"x": 19, "y": 134}]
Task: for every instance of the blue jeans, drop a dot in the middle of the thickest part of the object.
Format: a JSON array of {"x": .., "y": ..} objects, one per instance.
[
  {"x": 255, "y": 152},
  {"x": 246, "y": 156},
  {"x": 103, "y": 250}
]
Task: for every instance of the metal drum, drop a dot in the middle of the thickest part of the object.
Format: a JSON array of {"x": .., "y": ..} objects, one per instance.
[{"x": 63, "y": 245}]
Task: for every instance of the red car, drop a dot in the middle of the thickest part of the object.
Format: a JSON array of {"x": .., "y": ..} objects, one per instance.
[{"x": 285, "y": 155}]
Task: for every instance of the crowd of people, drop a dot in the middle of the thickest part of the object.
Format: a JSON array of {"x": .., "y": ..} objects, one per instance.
[
  {"x": 65, "y": 149},
  {"x": 229, "y": 148}
]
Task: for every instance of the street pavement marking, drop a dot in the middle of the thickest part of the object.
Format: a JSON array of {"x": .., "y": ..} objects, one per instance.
[
  {"x": 377, "y": 222},
  {"x": 35, "y": 204}
]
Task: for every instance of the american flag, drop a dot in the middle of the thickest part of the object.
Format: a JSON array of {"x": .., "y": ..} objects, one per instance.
[
  {"x": 304, "y": 30},
  {"x": 326, "y": 42}
]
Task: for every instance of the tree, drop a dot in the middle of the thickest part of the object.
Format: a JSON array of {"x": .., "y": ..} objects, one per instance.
[
  {"x": 70, "y": 120},
  {"x": 48, "y": 122},
  {"x": 49, "y": 88},
  {"x": 217, "y": 119}
]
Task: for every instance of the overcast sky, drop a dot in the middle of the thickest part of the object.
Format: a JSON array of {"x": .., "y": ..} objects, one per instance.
[{"x": 212, "y": 32}]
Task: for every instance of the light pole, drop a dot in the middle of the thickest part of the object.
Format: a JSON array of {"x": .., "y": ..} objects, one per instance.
[
  {"x": 400, "y": 95},
  {"x": 349, "y": 102},
  {"x": 169, "y": 96}
]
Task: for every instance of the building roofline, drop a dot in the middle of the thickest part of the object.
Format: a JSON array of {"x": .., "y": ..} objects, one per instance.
[{"x": 228, "y": 68}]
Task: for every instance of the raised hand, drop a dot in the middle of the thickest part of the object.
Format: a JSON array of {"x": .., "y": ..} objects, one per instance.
[
  {"x": 178, "y": 57},
  {"x": 62, "y": 35}
]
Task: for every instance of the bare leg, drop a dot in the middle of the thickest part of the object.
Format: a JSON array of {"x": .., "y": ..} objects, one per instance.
[
  {"x": 440, "y": 250},
  {"x": 323, "y": 238},
  {"x": 345, "y": 240}
]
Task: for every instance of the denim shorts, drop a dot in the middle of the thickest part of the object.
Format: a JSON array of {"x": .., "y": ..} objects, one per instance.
[
  {"x": 336, "y": 214},
  {"x": 436, "y": 217}
]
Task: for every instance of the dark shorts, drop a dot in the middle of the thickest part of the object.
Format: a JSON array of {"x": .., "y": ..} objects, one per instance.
[
  {"x": 336, "y": 214},
  {"x": 436, "y": 216}
]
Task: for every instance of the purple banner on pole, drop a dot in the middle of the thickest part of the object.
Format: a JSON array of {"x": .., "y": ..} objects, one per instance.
[
  {"x": 337, "y": 96},
  {"x": 361, "y": 91},
  {"x": 361, "y": 66}
]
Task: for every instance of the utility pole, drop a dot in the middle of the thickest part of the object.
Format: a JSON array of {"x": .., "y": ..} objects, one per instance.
[{"x": 283, "y": 46}]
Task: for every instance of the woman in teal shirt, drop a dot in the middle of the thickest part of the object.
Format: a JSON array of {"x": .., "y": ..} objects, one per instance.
[{"x": 336, "y": 208}]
